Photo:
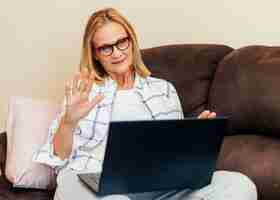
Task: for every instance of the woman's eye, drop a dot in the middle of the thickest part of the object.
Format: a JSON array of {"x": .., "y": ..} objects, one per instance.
[
  {"x": 123, "y": 43},
  {"x": 105, "y": 49}
]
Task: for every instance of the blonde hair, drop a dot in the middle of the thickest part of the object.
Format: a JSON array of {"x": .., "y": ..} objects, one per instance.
[{"x": 96, "y": 21}]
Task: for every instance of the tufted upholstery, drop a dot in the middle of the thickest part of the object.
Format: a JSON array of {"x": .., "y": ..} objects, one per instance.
[{"x": 241, "y": 83}]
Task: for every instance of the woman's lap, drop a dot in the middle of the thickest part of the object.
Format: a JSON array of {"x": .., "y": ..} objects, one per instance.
[
  {"x": 70, "y": 187},
  {"x": 225, "y": 185}
]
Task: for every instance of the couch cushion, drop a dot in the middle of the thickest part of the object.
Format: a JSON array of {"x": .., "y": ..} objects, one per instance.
[
  {"x": 256, "y": 156},
  {"x": 10, "y": 193},
  {"x": 190, "y": 67},
  {"x": 246, "y": 88}
]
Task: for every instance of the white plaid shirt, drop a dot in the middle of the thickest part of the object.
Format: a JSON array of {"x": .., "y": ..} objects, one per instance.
[{"x": 159, "y": 97}]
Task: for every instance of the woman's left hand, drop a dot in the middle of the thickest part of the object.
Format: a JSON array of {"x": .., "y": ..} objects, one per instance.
[{"x": 206, "y": 114}]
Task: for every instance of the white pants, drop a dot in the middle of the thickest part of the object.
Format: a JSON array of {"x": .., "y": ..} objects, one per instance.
[{"x": 225, "y": 185}]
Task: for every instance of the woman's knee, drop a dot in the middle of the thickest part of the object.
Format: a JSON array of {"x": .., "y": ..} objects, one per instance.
[
  {"x": 116, "y": 197},
  {"x": 249, "y": 188},
  {"x": 240, "y": 184}
]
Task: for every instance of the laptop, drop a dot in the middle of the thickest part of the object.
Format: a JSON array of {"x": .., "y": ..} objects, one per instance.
[{"x": 158, "y": 155}]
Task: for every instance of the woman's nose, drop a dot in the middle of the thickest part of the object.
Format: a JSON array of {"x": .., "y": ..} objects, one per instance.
[{"x": 116, "y": 52}]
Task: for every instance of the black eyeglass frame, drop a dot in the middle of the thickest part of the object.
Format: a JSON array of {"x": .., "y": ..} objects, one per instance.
[{"x": 111, "y": 46}]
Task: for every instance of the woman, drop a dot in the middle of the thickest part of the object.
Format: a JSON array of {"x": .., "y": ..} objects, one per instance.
[{"x": 114, "y": 84}]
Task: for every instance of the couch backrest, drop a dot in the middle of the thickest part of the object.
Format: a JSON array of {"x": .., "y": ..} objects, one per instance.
[
  {"x": 3, "y": 150},
  {"x": 247, "y": 88},
  {"x": 190, "y": 67}
]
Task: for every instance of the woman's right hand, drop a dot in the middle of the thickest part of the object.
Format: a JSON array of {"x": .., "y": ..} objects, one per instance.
[{"x": 77, "y": 92}]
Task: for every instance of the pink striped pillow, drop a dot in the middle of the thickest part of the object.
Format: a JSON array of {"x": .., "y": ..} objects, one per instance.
[{"x": 27, "y": 130}]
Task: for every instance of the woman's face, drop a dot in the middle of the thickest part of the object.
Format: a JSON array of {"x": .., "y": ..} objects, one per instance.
[{"x": 113, "y": 48}]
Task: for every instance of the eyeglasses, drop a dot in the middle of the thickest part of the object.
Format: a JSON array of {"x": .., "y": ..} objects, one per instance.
[{"x": 108, "y": 49}]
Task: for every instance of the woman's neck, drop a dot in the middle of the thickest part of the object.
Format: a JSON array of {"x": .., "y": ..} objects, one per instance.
[{"x": 125, "y": 81}]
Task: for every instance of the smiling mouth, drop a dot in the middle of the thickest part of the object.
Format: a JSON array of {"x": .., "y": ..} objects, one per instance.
[{"x": 118, "y": 62}]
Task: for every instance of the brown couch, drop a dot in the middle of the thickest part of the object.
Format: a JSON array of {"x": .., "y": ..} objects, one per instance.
[{"x": 241, "y": 84}]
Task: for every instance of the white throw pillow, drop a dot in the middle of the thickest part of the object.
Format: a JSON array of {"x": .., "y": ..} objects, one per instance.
[{"x": 27, "y": 130}]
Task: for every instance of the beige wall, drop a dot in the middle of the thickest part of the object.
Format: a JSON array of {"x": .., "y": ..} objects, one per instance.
[{"x": 40, "y": 40}]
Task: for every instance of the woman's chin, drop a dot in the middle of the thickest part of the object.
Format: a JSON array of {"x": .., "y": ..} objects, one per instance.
[{"x": 121, "y": 69}]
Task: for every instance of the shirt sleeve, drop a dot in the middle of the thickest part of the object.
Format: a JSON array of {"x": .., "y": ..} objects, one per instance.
[
  {"x": 45, "y": 154},
  {"x": 175, "y": 97}
]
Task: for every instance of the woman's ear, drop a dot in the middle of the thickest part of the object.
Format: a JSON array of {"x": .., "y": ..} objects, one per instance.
[
  {"x": 94, "y": 55},
  {"x": 93, "y": 52}
]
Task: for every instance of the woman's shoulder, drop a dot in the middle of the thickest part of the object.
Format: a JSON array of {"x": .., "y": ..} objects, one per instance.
[
  {"x": 161, "y": 85},
  {"x": 158, "y": 81},
  {"x": 152, "y": 79}
]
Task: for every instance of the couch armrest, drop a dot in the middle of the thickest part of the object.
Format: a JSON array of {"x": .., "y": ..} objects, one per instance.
[{"x": 3, "y": 150}]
